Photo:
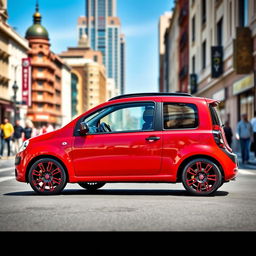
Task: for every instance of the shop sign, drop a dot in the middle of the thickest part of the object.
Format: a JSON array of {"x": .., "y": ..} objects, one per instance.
[
  {"x": 217, "y": 61},
  {"x": 243, "y": 51},
  {"x": 26, "y": 82},
  {"x": 243, "y": 84}
]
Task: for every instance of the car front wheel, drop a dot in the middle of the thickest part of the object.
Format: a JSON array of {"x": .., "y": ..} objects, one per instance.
[
  {"x": 201, "y": 177},
  {"x": 47, "y": 177}
]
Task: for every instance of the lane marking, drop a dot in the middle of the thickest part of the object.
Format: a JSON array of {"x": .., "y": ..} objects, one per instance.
[
  {"x": 243, "y": 172},
  {"x": 7, "y": 169},
  {"x": 6, "y": 178}
]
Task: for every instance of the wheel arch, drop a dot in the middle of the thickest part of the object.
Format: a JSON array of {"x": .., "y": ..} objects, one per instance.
[
  {"x": 187, "y": 160},
  {"x": 45, "y": 156}
]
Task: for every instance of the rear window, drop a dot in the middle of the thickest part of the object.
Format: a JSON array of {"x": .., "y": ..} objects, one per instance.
[
  {"x": 216, "y": 120},
  {"x": 180, "y": 116}
]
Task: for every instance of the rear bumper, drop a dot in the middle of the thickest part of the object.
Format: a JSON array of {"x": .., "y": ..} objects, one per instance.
[{"x": 229, "y": 164}]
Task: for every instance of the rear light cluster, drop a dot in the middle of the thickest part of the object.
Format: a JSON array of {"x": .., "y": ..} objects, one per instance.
[{"x": 219, "y": 138}]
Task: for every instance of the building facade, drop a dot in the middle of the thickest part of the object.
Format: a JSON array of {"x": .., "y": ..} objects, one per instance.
[
  {"x": 46, "y": 91},
  {"x": 89, "y": 82},
  {"x": 223, "y": 55},
  {"x": 103, "y": 28},
  {"x": 174, "y": 49},
  {"x": 170, "y": 75},
  {"x": 13, "y": 48},
  {"x": 163, "y": 24}
]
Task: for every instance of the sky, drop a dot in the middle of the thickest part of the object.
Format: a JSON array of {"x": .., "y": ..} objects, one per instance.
[{"x": 139, "y": 19}]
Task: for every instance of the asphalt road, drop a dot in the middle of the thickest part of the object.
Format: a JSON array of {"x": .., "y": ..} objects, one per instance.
[{"x": 128, "y": 207}]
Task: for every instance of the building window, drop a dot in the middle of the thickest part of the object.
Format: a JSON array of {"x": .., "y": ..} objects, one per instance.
[
  {"x": 194, "y": 28},
  {"x": 194, "y": 64},
  {"x": 203, "y": 12},
  {"x": 243, "y": 12},
  {"x": 204, "y": 55},
  {"x": 220, "y": 32}
]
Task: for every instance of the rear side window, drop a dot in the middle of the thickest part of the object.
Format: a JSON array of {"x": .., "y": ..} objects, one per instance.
[
  {"x": 180, "y": 116},
  {"x": 216, "y": 120}
]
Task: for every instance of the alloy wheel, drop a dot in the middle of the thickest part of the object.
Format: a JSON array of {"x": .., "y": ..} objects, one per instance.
[
  {"x": 201, "y": 177},
  {"x": 47, "y": 176}
]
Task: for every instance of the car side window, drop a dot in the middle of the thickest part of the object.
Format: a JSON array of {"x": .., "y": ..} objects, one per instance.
[
  {"x": 124, "y": 118},
  {"x": 180, "y": 116}
]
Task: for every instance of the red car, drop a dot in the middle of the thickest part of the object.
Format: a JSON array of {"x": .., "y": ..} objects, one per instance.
[{"x": 149, "y": 137}]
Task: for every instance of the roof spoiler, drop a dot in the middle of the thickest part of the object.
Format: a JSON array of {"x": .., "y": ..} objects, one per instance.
[{"x": 212, "y": 102}]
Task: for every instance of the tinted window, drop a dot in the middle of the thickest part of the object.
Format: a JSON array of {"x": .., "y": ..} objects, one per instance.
[
  {"x": 132, "y": 118},
  {"x": 180, "y": 116}
]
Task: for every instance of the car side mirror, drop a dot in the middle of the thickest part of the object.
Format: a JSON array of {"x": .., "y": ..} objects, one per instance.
[{"x": 84, "y": 129}]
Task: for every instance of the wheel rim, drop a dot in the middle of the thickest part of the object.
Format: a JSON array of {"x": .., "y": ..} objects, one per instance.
[
  {"x": 201, "y": 177},
  {"x": 47, "y": 176}
]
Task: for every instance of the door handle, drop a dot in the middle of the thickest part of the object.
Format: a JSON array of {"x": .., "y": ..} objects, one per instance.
[{"x": 152, "y": 138}]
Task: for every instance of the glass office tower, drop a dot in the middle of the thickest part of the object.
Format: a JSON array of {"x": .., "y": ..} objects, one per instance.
[{"x": 103, "y": 28}]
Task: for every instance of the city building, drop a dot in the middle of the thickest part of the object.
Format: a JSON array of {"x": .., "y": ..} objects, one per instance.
[
  {"x": 170, "y": 75},
  {"x": 103, "y": 28},
  {"x": 46, "y": 91},
  {"x": 89, "y": 82},
  {"x": 163, "y": 24},
  {"x": 13, "y": 48},
  {"x": 66, "y": 96},
  {"x": 223, "y": 55},
  {"x": 183, "y": 50}
]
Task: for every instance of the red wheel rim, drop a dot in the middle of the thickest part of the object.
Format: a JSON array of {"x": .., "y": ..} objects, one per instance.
[
  {"x": 201, "y": 177},
  {"x": 47, "y": 176}
]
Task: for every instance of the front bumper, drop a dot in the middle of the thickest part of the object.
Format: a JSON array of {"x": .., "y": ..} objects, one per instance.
[{"x": 20, "y": 167}]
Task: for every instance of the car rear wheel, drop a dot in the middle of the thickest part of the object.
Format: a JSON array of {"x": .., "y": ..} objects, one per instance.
[
  {"x": 92, "y": 186},
  {"x": 201, "y": 177},
  {"x": 47, "y": 177}
]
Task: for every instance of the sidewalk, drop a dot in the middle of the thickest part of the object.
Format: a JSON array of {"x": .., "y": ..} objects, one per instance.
[{"x": 250, "y": 166}]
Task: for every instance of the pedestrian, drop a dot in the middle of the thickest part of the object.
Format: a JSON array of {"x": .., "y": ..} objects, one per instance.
[
  {"x": 29, "y": 130},
  {"x": 253, "y": 122},
  {"x": 18, "y": 136},
  {"x": 1, "y": 140},
  {"x": 244, "y": 134},
  {"x": 8, "y": 131},
  {"x": 228, "y": 133}
]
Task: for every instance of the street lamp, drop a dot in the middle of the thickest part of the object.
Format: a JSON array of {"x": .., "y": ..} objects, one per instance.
[{"x": 15, "y": 89}]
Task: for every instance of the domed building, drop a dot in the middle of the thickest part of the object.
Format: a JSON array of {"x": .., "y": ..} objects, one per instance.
[
  {"x": 46, "y": 76},
  {"x": 37, "y": 30}
]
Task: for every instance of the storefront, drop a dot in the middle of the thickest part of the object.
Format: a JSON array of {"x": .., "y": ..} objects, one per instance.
[{"x": 244, "y": 89}]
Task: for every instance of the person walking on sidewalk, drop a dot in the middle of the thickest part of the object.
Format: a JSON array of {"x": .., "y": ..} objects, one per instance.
[
  {"x": 244, "y": 134},
  {"x": 18, "y": 136},
  {"x": 8, "y": 131},
  {"x": 253, "y": 122}
]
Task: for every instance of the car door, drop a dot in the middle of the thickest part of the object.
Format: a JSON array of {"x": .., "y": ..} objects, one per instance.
[{"x": 131, "y": 147}]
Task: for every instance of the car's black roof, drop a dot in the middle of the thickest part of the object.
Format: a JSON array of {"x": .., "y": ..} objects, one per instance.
[{"x": 151, "y": 94}]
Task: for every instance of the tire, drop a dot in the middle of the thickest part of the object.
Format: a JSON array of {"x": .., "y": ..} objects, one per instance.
[
  {"x": 47, "y": 177},
  {"x": 92, "y": 186},
  {"x": 201, "y": 177}
]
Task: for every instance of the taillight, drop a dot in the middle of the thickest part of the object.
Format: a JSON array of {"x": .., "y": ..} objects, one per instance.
[{"x": 219, "y": 139}]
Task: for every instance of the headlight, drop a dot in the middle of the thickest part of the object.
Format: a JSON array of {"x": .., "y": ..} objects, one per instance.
[{"x": 24, "y": 146}]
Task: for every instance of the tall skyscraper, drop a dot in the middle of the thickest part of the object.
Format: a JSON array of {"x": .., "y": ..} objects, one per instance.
[{"x": 103, "y": 28}]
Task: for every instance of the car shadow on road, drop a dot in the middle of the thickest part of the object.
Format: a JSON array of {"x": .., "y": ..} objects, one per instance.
[{"x": 121, "y": 192}]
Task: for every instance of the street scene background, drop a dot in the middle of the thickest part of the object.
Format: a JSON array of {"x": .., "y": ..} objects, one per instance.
[{"x": 59, "y": 59}]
